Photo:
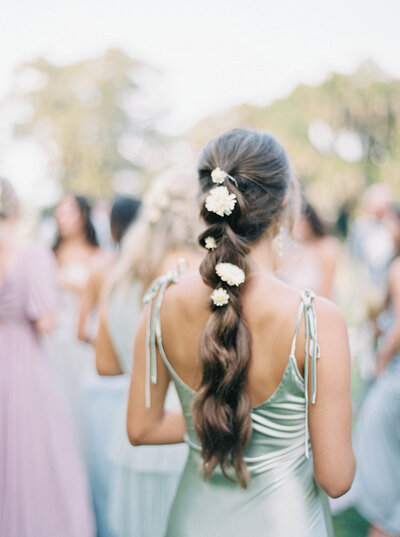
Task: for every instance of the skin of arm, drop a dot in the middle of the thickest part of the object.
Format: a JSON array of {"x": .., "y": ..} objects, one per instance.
[
  {"x": 153, "y": 425},
  {"x": 45, "y": 324},
  {"x": 329, "y": 251},
  {"x": 391, "y": 343},
  {"x": 330, "y": 418},
  {"x": 89, "y": 299},
  {"x": 107, "y": 363}
]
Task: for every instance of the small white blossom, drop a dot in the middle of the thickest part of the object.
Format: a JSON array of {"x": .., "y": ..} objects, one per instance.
[
  {"x": 220, "y": 297},
  {"x": 220, "y": 201},
  {"x": 218, "y": 176},
  {"x": 210, "y": 243},
  {"x": 229, "y": 273}
]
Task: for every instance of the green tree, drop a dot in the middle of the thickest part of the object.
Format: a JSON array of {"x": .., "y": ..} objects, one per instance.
[
  {"x": 95, "y": 118},
  {"x": 341, "y": 135}
]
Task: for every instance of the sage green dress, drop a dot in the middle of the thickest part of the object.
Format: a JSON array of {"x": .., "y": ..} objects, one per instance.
[
  {"x": 143, "y": 479},
  {"x": 283, "y": 498}
]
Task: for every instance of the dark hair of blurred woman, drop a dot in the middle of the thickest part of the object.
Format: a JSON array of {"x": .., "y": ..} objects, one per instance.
[
  {"x": 317, "y": 227},
  {"x": 73, "y": 216},
  {"x": 123, "y": 212}
]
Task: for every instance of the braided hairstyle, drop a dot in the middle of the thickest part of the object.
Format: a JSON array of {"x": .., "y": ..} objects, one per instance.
[{"x": 259, "y": 176}]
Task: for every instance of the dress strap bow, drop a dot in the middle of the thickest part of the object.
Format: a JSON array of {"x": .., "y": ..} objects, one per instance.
[
  {"x": 153, "y": 297},
  {"x": 312, "y": 352}
]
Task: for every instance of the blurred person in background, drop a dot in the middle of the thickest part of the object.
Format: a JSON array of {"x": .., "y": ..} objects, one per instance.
[
  {"x": 102, "y": 397},
  {"x": 123, "y": 212},
  {"x": 376, "y": 488},
  {"x": 265, "y": 444},
  {"x": 100, "y": 216},
  {"x": 370, "y": 241},
  {"x": 43, "y": 488},
  {"x": 310, "y": 260},
  {"x": 144, "y": 479},
  {"x": 371, "y": 247},
  {"x": 77, "y": 253}
]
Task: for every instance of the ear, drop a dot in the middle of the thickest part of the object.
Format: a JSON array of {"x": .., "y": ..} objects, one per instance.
[{"x": 285, "y": 200}]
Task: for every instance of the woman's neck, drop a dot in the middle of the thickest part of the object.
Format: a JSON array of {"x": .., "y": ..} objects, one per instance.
[
  {"x": 73, "y": 241},
  {"x": 261, "y": 256}
]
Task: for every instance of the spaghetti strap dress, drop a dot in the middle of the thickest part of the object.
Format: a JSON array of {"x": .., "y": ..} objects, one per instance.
[
  {"x": 144, "y": 479},
  {"x": 43, "y": 486},
  {"x": 283, "y": 498}
]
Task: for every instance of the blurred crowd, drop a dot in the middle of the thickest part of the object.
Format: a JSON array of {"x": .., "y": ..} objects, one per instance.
[{"x": 79, "y": 284}]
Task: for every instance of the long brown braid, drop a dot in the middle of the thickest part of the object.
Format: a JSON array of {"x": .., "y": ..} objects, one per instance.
[{"x": 259, "y": 176}]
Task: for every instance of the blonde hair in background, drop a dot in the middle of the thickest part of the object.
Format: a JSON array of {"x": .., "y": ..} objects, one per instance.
[{"x": 168, "y": 221}]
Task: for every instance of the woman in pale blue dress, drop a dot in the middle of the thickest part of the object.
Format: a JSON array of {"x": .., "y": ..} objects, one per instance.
[
  {"x": 376, "y": 489},
  {"x": 265, "y": 395},
  {"x": 78, "y": 253},
  {"x": 102, "y": 396},
  {"x": 143, "y": 479}
]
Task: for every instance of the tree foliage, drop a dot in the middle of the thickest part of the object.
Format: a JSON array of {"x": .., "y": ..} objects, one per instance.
[
  {"x": 341, "y": 135},
  {"x": 95, "y": 119}
]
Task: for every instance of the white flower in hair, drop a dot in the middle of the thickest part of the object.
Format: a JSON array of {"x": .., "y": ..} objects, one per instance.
[
  {"x": 210, "y": 243},
  {"x": 220, "y": 297},
  {"x": 229, "y": 273},
  {"x": 218, "y": 176},
  {"x": 220, "y": 201}
]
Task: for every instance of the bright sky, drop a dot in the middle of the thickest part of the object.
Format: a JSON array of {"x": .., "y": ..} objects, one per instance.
[{"x": 213, "y": 53}]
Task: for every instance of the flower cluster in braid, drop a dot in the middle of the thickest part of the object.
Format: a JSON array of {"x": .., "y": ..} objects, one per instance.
[{"x": 254, "y": 171}]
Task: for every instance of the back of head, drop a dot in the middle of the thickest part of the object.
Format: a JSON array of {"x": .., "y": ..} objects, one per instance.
[
  {"x": 247, "y": 191},
  {"x": 9, "y": 204},
  {"x": 165, "y": 223},
  {"x": 124, "y": 210}
]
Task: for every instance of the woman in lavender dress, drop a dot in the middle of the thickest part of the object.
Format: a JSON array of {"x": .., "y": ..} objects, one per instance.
[{"x": 43, "y": 491}]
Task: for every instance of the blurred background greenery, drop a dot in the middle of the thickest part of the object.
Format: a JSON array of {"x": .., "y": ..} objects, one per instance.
[{"x": 97, "y": 122}]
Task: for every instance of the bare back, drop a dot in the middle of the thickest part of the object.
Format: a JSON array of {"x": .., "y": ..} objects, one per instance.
[{"x": 270, "y": 309}]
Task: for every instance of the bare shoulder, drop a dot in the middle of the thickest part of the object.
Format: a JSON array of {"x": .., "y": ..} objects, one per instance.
[
  {"x": 187, "y": 295},
  {"x": 327, "y": 311},
  {"x": 332, "y": 328},
  {"x": 171, "y": 259}
]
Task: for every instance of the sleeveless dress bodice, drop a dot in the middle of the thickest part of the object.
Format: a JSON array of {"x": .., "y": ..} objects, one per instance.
[{"x": 283, "y": 498}]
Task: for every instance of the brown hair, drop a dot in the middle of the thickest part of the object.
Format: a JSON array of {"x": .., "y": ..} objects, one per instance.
[{"x": 260, "y": 179}]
